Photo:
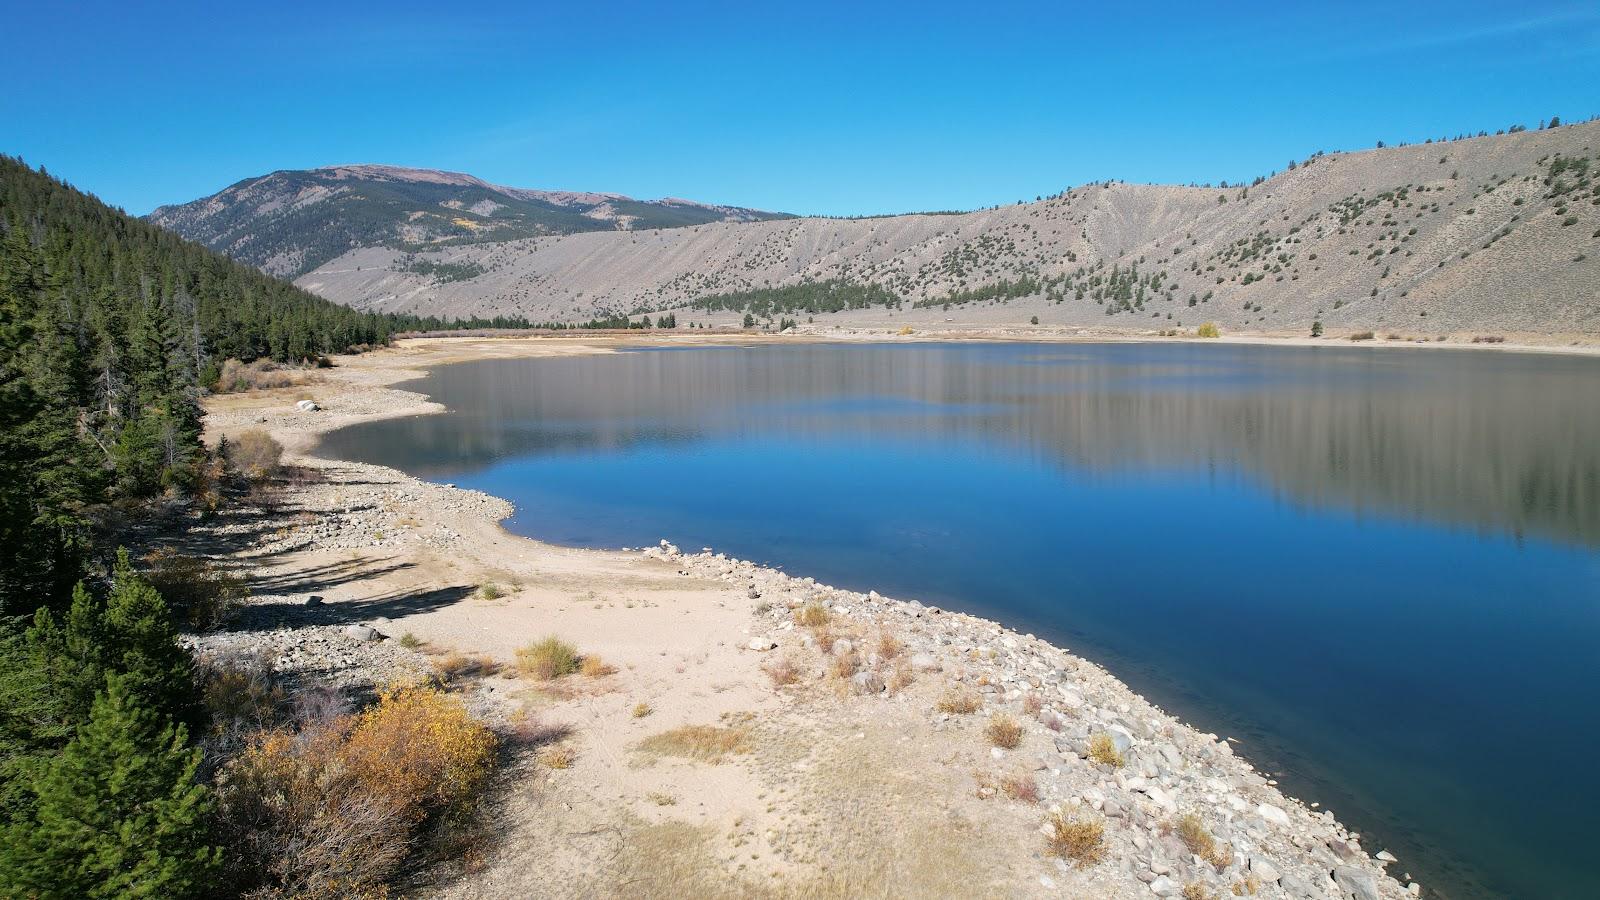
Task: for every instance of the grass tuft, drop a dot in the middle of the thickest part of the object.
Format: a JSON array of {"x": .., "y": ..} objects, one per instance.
[
  {"x": 959, "y": 701},
  {"x": 812, "y": 615},
  {"x": 1103, "y": 750},
  {"x": 1004, "y": 731},
  {"x": 548, "y": 659},
  {"x": 1080, "y": 840}
]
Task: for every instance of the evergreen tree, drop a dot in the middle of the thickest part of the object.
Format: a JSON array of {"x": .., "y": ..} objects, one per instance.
[{"x": 120, "y": 812}]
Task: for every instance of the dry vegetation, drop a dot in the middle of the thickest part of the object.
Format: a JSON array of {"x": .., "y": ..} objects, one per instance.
[
  {"x": 548, "y": 659},
  {"x": 1004, "y": 731},
  {"x": 704, "y": 743},
  {"x": 201, "y": 594},
  {"x": 332, "y": 807},
  {"x": 1199, "y": 841},
  {"x": 1103, "y": 750},
  {"x": 1080, "y": 840},
  {"x": 959, "y": 701},
  {"x": 253, "y": 454}
]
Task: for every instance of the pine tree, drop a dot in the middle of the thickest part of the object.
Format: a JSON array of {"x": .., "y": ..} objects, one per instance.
[{"x": 120, "y": 812}]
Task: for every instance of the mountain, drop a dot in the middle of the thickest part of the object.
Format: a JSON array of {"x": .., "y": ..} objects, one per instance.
[
  {"x": 1495, "y": 232},
  {"x": 290, "y": 222}
]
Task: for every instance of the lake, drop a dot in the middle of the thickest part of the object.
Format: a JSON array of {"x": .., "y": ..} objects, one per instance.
[{"x": 1377, "y": 568}]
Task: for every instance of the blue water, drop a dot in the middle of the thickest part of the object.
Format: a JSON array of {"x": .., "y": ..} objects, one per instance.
[{"x": 1379, "y": 570}]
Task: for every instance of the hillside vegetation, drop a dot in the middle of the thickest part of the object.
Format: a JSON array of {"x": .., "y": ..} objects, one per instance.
[
  {"x": 1496, "y": 232},
  {"x": 111, "y": 734}
]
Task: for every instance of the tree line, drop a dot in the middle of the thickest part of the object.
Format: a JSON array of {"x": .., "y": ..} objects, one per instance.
[{"x": 110, "y": 331}]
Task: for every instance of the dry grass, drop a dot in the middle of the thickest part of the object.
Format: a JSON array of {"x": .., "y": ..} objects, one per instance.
[
  {"x": 901, "y": 678},
  {"x": 559, "y": 756},
  {"x": 260, "y": 375},
  {"x": 959, "y": 701},
  {"x": 1020, "y": 787},
  {"x": 595, "y": 667},
  {"x": 253, "y": 454},
  {"x": 1192, "y": 831},
  {"x": 1362, "y": 336},
  {"x": 1249, "y": 887},
  {"x": 1208, "y": 330},
  {"x": 705, "y": 743},
  {"x": 1103, "y": 750},
  {"x": 812, "y": 615},
  {"x": 1194, "y": 890},
  {"x": 548, "y": 659},
  {"x": 1080, "y": 840},
  {"x": 640, "y": 710},
  {"x": 1032, "y": 705},
  {"x": 455, "y": 666},
  {"x": 844, "y": 665},
  {"x": 889, "y": 646},
  {"x": 1004, "y": 731},
  {"x": 782, "y": 671},
  {"x": 490, "y": 591}
]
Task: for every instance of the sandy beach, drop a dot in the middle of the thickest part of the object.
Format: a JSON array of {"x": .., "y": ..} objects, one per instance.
[{"x": 849, "y": 771}]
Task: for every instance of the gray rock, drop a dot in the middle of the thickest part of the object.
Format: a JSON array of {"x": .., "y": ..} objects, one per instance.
[
  {"x": 1120, "y": 738},
  {"x": 1356, "y": 884},
  {"x": 1298, "y": 888},
  {"x": 753, "y": 594},
  {"x": 313, "y": 600},
  {"x": 867, "y": 683},
  {"x": 842, "y": 647},
  {"x": 924, "y": 662},
  {"x": 1263, "y": 870},
  {"x": 365, "y": 633},
  {"x": 1165, "y": 887}
]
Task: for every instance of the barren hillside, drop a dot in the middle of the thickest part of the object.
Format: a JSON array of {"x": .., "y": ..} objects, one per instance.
[{"x": 1493, "y": 233}]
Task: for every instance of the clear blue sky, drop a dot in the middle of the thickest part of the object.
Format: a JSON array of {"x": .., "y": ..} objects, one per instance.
[{"x": 821, "y": 107}]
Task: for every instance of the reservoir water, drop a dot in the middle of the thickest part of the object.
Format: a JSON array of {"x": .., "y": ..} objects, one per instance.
[{"x": 1378, "y": 569}]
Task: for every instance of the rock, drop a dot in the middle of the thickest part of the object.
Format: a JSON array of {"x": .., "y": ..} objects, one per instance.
[
  {"x": 1385, "y": 856},
  {"x": 313, "y": 600},
  {"x": 1299, "y": 888},
  {"x": 364, "y": 633},
  {"x": 1121, "y": 738},
  {"x": 762, "y": 644},
  {"x": 753, "y": 594},
  {"x": 924, "y": 662},
  {"x": 867, "y": 683},
  {"x": 1273, "y": 814},
  {"x": 1263, "y": 870},
  {"x": 1164, "y": 887},
  {"x": 1355, "y": 884},
  {"x": 1070, "y": 698},
  {"x": 307, "y": 406},
  {"x": 842, "y": 647}
]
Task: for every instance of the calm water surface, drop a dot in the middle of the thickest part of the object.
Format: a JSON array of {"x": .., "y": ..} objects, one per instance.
[{"x": 1378, "y": 569}]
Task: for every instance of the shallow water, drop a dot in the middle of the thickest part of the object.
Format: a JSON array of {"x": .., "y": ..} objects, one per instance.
[{"x": 1379, "y": 569}]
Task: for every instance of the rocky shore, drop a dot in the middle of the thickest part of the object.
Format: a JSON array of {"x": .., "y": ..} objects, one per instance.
[{"x": 859, "y": 775}]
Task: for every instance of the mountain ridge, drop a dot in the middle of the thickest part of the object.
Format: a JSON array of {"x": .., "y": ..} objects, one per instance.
[
  {"x": 1490, "y": 232},
  {"x": 290, "y": 221}
]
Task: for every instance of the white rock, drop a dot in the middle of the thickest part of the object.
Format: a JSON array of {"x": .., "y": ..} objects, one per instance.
[
  {"x": 1263, "y": 870},
  {"x": 762, "y": 644},
  {"x": 1273, "y": 814}
]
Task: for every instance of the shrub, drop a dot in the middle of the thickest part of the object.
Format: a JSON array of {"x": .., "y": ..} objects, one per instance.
[
  {"x": 1079, "y": 840},
  {"x": 455, "y": 666},
  {"x": 844, "y": 665},
  {"x": 1020, "y": 787},
  {"x": 1103, "y": 750},
  {"x": 959, "y": 701},
  {"x": 1362, "y": 336},
  {"x": 1004, "y": 731},
  {"x": 549, "y": 658},
  {"x": 558, "y": 757},
  {"x": 200, "y": 593},
  {"x": 1194, "y": 890},
  {"x": 490, "y": 591},
  {"x": 706, "y": 743},
  {"x": 782, "y": 671},
  {"x": 333, "y": 809},
  {"x": 1032, "y": 705},
  {"x": 640, "y": 710},
  {"x": 411, "y": 642},
  {"x": 254, "y": 454},
  {"x": 595, "y": 667},
  {"x": 812, "y": 615},
  {"x": 262, "y": 374},
  {"x": 1208, "y": 330},
  {"x": 1199, "y": 841},
  {"x": 889, "y": 646}
]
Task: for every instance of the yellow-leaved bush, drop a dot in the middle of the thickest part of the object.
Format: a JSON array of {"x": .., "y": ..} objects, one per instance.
[{"x": 334, "y": 808}]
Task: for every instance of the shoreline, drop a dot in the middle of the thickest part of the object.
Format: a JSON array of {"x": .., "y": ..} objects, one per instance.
[{"x": 457, "y": 535}]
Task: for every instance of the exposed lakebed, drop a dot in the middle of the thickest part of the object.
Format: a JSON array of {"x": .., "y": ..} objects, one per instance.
[{"x": 1378, "y": 569}]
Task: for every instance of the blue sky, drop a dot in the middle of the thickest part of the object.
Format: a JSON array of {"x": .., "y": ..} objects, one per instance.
[{"x": 834, "y": 108}]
